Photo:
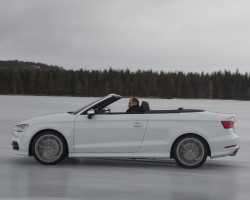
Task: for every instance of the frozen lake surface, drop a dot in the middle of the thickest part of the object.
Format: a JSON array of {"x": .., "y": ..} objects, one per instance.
[{"x": 23, "y": 178}]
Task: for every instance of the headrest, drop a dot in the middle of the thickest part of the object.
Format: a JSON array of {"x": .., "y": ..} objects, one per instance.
[{"x": 145, "y": 106}]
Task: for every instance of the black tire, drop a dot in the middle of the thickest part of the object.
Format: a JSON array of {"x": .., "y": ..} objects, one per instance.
[
  {"x": 49, "y": 148},
  {"x": 190, "y": 151}
]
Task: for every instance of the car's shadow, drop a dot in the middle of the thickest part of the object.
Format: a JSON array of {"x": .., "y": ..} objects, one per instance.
[
  {"x": 144, "y": 163},
  {"x": 118, "y": 162},
  {"x": 90, "y": 162},
  {"x": 127, "y": 163}
]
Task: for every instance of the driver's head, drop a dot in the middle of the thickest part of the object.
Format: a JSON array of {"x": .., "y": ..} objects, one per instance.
[{"x": 133, "y": 102}]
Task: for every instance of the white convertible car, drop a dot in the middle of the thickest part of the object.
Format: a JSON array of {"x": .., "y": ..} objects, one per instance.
[{"x": 187, "y": 135}]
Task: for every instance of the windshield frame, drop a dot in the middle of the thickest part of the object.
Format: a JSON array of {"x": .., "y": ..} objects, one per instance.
[
  {"x": 91, "y": 104},
  {"x": 86, "y": 106}
]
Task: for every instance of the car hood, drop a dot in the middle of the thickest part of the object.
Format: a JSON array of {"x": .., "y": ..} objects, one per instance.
[{"x": 56, "y": 117}]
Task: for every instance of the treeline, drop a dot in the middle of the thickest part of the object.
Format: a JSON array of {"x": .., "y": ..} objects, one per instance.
[{"x": 52, "y": 80}]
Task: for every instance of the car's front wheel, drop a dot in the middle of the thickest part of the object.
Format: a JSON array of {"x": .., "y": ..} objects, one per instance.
[
  {"x": 190, "y": 151},
  {"x": 48, "y": 148}
]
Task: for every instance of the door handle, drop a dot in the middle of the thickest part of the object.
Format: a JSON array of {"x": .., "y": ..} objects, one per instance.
[{"x": 137, "y": 124}]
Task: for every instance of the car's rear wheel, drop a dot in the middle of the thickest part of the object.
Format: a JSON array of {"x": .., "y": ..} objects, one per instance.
[
  {"x": 49, "y": 148},
  {"x": 190, "y": 151}
]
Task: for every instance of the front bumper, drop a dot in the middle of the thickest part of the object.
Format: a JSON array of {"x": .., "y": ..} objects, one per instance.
[
  {"x": 19, "y": 144},
  {"x": 15, "y": 145}
]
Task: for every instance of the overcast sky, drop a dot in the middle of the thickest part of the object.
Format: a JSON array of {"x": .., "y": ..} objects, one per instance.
[{"x": 168, "y": 35}]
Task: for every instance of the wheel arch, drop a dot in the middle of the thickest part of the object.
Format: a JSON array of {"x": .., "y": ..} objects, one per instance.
[
  {"x": 189, "y": 134},
  {"x": 46, "y": 130}
]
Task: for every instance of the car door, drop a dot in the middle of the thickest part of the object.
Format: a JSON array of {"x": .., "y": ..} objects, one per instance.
[{"x": 109, "y": 133}]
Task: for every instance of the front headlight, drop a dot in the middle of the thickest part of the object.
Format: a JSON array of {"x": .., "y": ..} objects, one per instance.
[{"x": 21, "y": 127}]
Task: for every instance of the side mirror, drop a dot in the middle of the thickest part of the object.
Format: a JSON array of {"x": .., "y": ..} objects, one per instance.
[{"x": 90, "y": 113}]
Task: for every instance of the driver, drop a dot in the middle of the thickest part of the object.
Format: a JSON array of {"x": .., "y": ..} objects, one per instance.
[{"x": 134, "y": 107}]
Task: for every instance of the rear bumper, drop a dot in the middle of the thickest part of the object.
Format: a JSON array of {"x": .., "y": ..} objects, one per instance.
[
  {"x": 225, "y": 145},
  {"x": 227, "y": 152},
  {"x": 235, "y": 151}
]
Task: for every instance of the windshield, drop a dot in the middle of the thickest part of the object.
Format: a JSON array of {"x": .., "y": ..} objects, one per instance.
[{"x": 77, "y": 111}]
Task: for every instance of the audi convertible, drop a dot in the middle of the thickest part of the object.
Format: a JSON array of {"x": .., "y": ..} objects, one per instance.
[{"x": 187, "y": 135}]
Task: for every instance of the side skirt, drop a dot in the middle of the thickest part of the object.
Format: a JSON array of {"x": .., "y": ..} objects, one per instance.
[{"x": 120, "y": 155}]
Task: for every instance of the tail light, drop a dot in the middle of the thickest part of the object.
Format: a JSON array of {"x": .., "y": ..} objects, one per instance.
[{"x": 228, "y": 124}]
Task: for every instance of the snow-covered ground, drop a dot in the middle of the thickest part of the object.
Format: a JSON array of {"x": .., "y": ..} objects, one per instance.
[{"x": 23, "y": 178}]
